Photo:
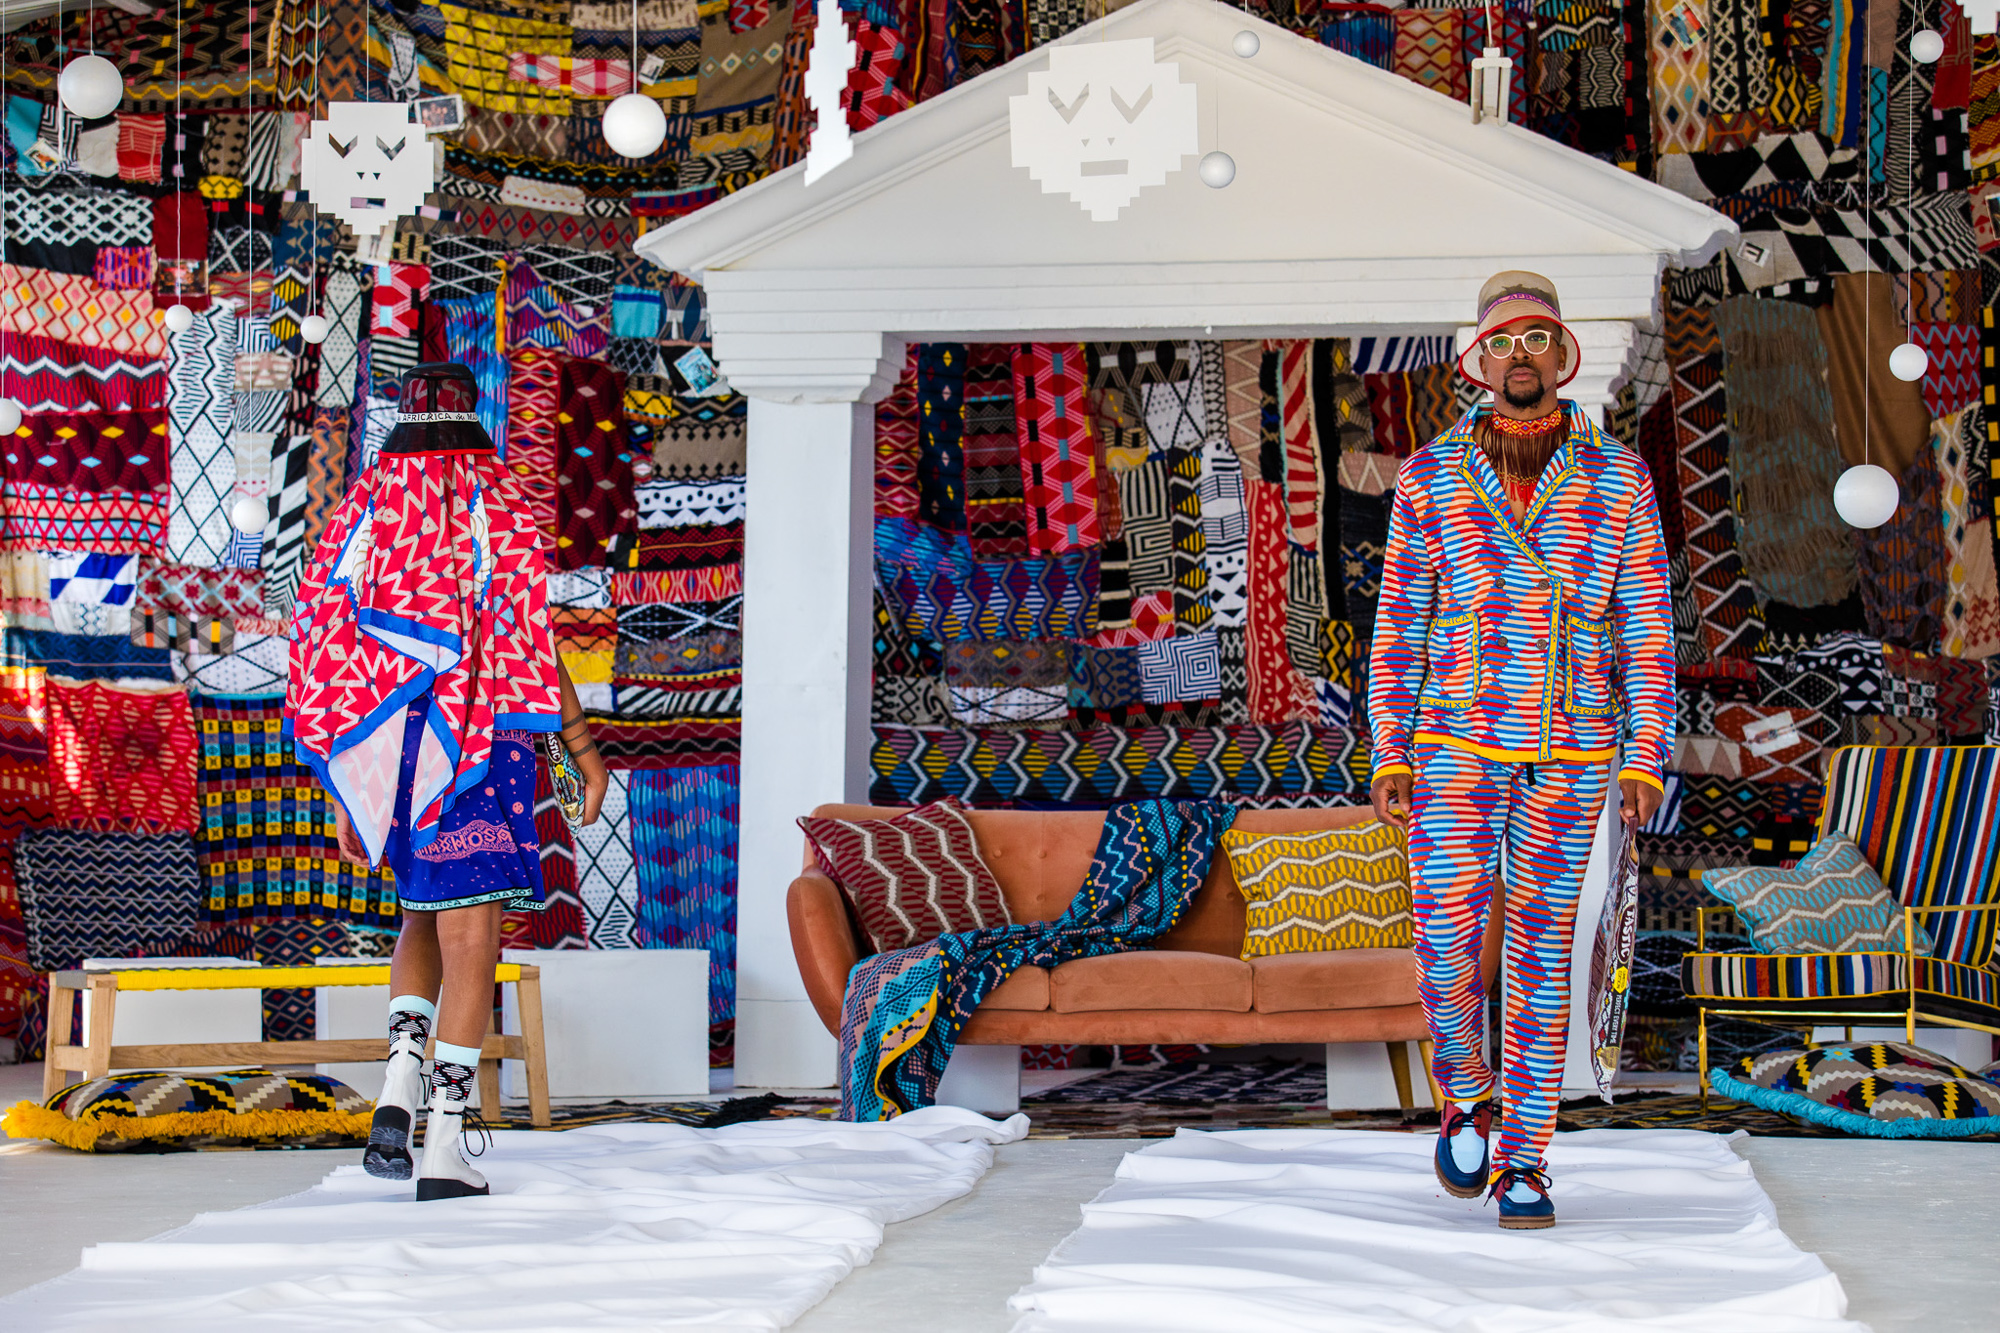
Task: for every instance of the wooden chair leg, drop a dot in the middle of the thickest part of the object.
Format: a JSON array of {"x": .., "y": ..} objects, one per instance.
[
  {"x": 1427, "y": 1053},
  {"x": 489, "y": 1083},
  {"x": 1701, "y": 1058},
  {"x": 1399, "y": 1070},
  {"x": 103, "y": 1013},
  {"x": 62, "y": 1013},
  {"x": 528, "y": 992}
]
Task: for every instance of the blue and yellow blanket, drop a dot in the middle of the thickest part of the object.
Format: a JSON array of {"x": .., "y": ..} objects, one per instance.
[{"x": 905, "y": 1009}]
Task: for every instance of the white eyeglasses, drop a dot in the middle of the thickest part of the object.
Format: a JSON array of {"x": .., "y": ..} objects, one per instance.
[{"x": 1534, "y": 342}]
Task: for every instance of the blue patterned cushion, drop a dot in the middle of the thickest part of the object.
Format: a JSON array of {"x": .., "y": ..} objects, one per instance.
[{"x": 1831, "y": 902}]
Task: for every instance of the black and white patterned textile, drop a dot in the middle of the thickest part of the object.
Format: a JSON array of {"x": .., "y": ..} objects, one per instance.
[
  {"x": 239, "y": 250},
  {"x": 61, "y": 230},
  {"x": 464, "y": 266},
  {"x": 1773, "y": 158},
  {"x": 104, "y": 895},
  {"x": 581, "y": 277},
  {"x": 674, "y": 503},
  {"x": 1390, "y": 356},
  {"x": 1182, "y": 668}
]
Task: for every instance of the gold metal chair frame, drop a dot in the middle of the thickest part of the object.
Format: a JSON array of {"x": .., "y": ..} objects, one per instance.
[{"x": 1911, "y": 1011}]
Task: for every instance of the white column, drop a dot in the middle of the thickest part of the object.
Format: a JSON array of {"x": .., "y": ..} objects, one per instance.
[{"x": 807, "y": 571}]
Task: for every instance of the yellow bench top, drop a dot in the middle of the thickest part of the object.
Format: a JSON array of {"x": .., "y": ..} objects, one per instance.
[{"x": 247, "y": 978}]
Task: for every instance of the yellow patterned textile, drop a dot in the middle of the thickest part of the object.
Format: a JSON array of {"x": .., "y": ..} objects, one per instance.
[
  {"x": 1308, "y": 892},
  {"x": 480, "y": 45}
]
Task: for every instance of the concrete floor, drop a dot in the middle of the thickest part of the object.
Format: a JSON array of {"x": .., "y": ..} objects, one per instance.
[{"x": 1908, "y": 1227}]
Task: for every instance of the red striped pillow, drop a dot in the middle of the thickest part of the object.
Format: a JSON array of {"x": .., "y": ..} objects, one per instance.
[{"x": 912, "y": 878}]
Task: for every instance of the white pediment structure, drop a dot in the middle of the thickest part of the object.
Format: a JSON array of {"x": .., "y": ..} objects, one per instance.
[{"x": 1363, "y": 203}]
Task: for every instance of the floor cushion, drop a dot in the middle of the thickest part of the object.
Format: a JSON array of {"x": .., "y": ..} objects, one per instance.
[
  {"x": 1832, "y": 901},
  {"x": 1881, "y": 1089},
  {"x": 154, "y": 1111}
]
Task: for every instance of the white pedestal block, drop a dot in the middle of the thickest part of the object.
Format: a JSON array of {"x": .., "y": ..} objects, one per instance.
[
  {"x": 617, "y": 1022},
  {"x": 350, "y": 1012},
  {"x": 1358, "y": 1077},
  {"x": 167, "y": 1017},
  {"x": 1962, "y": 1046},
  {"x": 986, "y": 1079}
]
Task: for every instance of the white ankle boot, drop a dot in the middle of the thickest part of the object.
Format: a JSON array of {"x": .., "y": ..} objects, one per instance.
[
  {"x": 388, "y": 1153},
  {"x": 445, "y": 1173}
]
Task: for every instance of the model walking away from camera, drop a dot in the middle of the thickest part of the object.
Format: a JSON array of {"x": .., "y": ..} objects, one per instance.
[
  {"x": 423, "y": 678},
  {"x": 1523, "y": 642}
]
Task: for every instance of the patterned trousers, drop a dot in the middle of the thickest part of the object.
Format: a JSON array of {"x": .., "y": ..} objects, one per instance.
[{"x": 1463, "y": 809}]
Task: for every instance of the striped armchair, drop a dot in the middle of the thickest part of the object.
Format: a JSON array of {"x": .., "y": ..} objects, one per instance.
[{"x": 1928, "y": 820}]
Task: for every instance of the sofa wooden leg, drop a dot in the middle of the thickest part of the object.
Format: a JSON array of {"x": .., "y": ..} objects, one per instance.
[
  {"x": 1399, "y": 1070},
  {"x": 1427, "y": 1053},
  {"x": 1701, "y": 1058}
]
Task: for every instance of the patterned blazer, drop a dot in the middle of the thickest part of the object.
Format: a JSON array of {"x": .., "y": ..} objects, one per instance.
[{"x": 1550, "y": 639}]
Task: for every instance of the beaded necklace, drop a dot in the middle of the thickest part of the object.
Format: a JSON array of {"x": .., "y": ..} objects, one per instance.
[{"x": 1516, "y": 427}]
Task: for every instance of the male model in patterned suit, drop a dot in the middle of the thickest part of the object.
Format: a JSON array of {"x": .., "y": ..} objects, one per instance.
[{"x": 1523, "y": 643}]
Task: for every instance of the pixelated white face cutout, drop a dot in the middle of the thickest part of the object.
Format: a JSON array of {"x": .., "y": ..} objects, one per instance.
[
  {"x": 367, "y": 164},
  {"x": 1103, "y": 123}
]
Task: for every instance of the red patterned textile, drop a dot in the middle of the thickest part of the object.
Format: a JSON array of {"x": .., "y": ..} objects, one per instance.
[
  {"x": 1058, "y": 459},
  {"x": 912, "y": 878},
  {"x": 872, "y": 93},
  {"x": 1152, "y": 618},
  {"x": 533, "y": 382},
  {"x": 44, "y": 375},
  {"x": 896, "y": 446},
  {"x": 1952, "y": 382},
  {"x": 595, "y": 503},
  {"x": 1389, "y": 404},
  {"x": 677, "y": 585},
  {"x": 191, "y": 590},
  {"x": 108, "y": 451},
  {"x": 140, "y": 139},
  {"x": 748, "y": 15},
  {"x": 326, "y": 469},
  {"x": 118, "y": 523},
  {"x": 696, "y": 546},
  {"x": 76, "y": 310},
  {"x": 528, "y": 226},
  {"x": 1778, "y": 744},
  {"x": 1304, "y": 483},
  {"x": 121, "y": 758},
  {"x": 631, "y": 743},
  {"x": 180, "y": 226},
  {"x": 1278, "y": 692}
]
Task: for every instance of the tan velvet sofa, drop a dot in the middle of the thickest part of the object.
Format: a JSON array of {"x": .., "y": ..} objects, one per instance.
[{"x": 1194, "y": 987}]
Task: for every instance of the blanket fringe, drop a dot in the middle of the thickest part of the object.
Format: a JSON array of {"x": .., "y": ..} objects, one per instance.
[
  {"x": 1851, "y": 1122},
  {"x": 31, "y": 1120}
]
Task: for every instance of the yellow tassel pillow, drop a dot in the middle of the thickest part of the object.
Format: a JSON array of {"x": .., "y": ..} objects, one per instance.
[{"x": 1307, "y": 892}]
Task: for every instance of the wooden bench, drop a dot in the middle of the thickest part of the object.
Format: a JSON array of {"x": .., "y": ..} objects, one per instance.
[{"x": 97, "y": 1057}]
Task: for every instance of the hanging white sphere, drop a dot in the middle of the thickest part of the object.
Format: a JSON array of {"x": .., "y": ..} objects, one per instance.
[
  {"x": 1909, "y": 362},
  {"x": 1926, "y": 47},
  {"x": 248, "y": 514},
  {"x": 179, "y": 318},
  {"x": 10, "y": 416},
  {"x": 1866, "y": 496},
  {"x": 90, "y": 86},
  {"x": 635, "y": 126},
  {"x": 1217, "y": 169},
  {"x": 314, "y": 328},
  {"x": 1246, "y": 44}
]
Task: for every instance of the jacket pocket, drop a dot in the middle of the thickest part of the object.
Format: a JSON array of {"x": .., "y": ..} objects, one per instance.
[
  {"x": 1451, "y": 679},
  {"x": 1587, "y": 692}
]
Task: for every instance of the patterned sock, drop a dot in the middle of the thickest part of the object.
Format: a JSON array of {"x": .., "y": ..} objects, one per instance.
[
  {"x": 1466, "y": 1145},
  {"x": 412, "y": 1016},
  {"x": 452, "y": 1070}
]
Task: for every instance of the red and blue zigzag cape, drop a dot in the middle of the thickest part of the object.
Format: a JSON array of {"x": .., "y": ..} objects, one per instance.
[{"x": 905, "y": 1009}]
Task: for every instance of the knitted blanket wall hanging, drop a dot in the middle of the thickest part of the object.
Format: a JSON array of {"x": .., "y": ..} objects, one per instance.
[
  {"x": 1730, "y": 626},
  {"x": 939, "y": 592},
  {"x": 265, "y": 842},
  {"x": 88, "y": 894},
  {"x": 1279, "y": 692},
  {"x": 121, "y": 758},
  {"x": 1783, "y": 462},
  {"x": 684, "y": 846},
  {"x": 1904, "y": 565},
  {"x": 428, "y": 581},
  {"x": 44, "y": 375},
  {"x": 904, "y": 1009},
  {"x": 995, "y": 489},
  {"x": 941, "y": 435},
  {"x": 201, "y": 377},
  {"x": 896, "y": 446},
  {"x": 1059, "y": 479},
  {"x": 594, "y": 501},
  {"x": 533, "y": 401},
  {"x": 1971, "y": 608}
]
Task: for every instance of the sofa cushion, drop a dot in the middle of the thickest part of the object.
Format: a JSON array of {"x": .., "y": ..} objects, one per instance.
[
  {"x": 1151, "y": 979},
  {"x": 1026, "y": 989},
  {"x": 1333, "y": 889},
  {"x": 1335, "y": 979},
  {"x": 1831, "y": 902},
  {"x": 911, "y": 878}
]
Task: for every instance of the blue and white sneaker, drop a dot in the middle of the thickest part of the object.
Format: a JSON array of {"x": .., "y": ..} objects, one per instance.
[
  {"x": 1462, "y": 1149},
  {"x": 1523, "y": 1192}
]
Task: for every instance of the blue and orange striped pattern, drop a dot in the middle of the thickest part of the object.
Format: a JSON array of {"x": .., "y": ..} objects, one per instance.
[
  {"x": 1928, "y": 820},
  {"x": 1835, "y": 976},
  {"x": 1464, "y": 810},
  {"x": 1550, "y": 639}
]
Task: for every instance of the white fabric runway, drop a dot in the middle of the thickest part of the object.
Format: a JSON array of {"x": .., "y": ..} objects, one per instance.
[
  {"x": 1256, "y": 1231},
  {"x": 616, "y": 1227}
]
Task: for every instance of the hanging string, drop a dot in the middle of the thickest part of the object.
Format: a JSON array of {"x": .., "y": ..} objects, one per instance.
[
  {"x": 1868, "y": 206},
  {"x": 635, "y": 45},
  {"x": 180, "y": 155}
]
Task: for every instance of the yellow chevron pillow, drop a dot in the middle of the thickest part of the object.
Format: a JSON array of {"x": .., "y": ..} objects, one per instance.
[{"x": 1342, "y": 889}]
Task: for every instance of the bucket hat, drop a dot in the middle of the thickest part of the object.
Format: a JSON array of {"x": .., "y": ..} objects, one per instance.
[{"x": 1510, "y": 298}]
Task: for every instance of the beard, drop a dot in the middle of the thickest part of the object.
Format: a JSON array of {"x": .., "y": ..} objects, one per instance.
[{"x": 1521, "y": 397}]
